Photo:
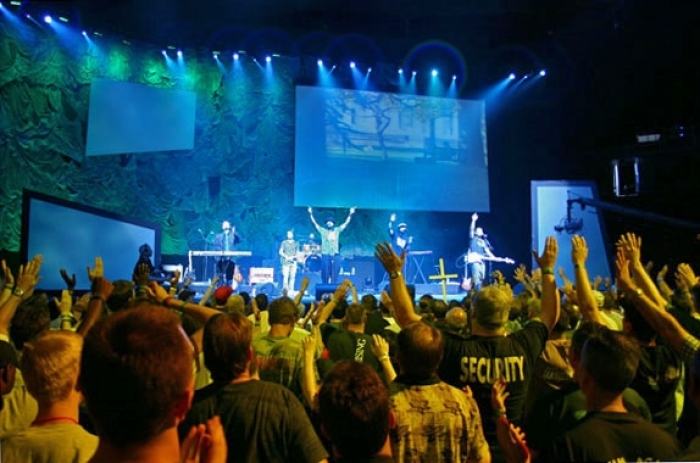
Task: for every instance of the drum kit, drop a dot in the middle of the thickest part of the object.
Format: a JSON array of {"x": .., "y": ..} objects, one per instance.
[{"x": 312, "y": 257}]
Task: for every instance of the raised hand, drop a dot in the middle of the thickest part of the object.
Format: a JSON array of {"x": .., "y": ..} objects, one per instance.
[
  {"x": 316, "y": 317},
  {"x": 649, "y": 267},
  {"x": 304, "y": 285},
  {"x": 380, "y": 348},
  {"x": 475, "y": 217},
  {"x": 685, "y": 274},
  {"x": 386, "y": 300},
  {"x": 157, "y": 292},
  {"x": 101, "y": 286},
  {"x": 353, "y": 209},
  {"x": 142, "y": 275},
  {"x": 392, "y": 218},
  {"x": 579, "y": 250},
  {"x": 187, "y": 283},
  {"x": 631, "y": 245},
  {"x": 69, "y": 280},
  {"x": 597, "y": 281},
  {"x": 309, "y": 346},
  {"x": 7, "y": 272},
  {"x": 175, "y": 279},
  {"x": 392, "y": 262},
  {"x": 28, "y": 277},
  {"x": 310, "y": 210},
  {"x": 205, "y": 443},
  {"x": 341, "y": 292},
  {"x": 98, "y": 271},
  {"x": 65, "y": 304},
  {"x": 548, "y": 258},
  {"x": 624, "y": 279},
  {"x": 499, "y": 395},
  {"x": 520, "y": 273},
  {"x": 662, "y": 273}
]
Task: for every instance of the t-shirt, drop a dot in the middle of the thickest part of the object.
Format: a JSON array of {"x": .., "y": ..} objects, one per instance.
[
  {"x": 375, "y": 323},
  {"x": 557, "y": 412},
  {"x": 613, "y": 437},
  {"x": 478, "y": 361},
  {"x": 280, "y": 360},
  {"x": 262, "y": 421},
  {"x": 19, "y": 408},
  {"x": 50, "y": 443},
  {"x": 658, "y": 378},
  {"x": 348, "y": 345},
  {"x": 434, "y": 422}
]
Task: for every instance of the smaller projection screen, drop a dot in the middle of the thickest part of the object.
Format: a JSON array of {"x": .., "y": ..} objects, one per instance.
[
  {"x": 389, "y": 151},
  {"x": 69, "y": 235},
  {"x": 134, "y": 118}
]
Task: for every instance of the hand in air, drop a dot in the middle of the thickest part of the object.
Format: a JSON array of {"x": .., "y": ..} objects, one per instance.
[
  {"x": 548, "y": 258},
  {"x": 579, "y": 250},
  {"x": 69, "y": 280},
  {"x": 98, "y": 271},
  {"x": 7, "y": 272},
  {"x": 380, "y": 347},
  {"x": 392, "y": 218},
  {"x": 387, "y": 256},
  {"x": 475, "y": 217}
]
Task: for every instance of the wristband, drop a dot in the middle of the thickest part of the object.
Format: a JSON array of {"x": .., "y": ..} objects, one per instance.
[
  {"x": 99, "y": 298},
  {"x": 499, "y": 414},
  {"x": 383, "y": 357},
  {"x": 166, "y": 301},
  {"x": 579, "y": 266},
  {"x": 547, "y": 271},
  {"x": 183, "y": 305},
  {"x": 9, "y": 287},
  {"x": 394, "y": 275}
]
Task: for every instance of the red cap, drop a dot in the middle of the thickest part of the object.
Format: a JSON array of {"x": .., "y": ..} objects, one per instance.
[{"x": 222, "y": 294}]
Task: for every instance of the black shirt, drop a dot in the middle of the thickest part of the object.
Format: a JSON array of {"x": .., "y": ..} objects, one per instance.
[
  {"x": 612, "y": 437},
  {"x": 478, "y": 361}
]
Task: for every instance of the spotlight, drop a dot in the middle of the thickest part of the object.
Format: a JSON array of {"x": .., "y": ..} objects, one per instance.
[
  {"x": 434, "y": 73},
  {"x": 16, "y": 3},
  {"x": 369, "y": 70},
  {"x": 215, "y": 55},
  {"x": 414, "y": 73},
  {"x": 320, "y": 62},
  {"x": 543, "y": 73},
  {"x": 511, "y": 76},
  {"x": 235, "y": 56},
  {"x": 352, "y": 64},
  {"x": 85, "y": 35},
  {"x": 164, "y": 53},
  {"x": 48, "y": 19},
  {"x": 268, "y": 59},
  {"x": 400, "y": 71},
  {"x": 454, "y": 76},
  {"x": 179, "y": 53}
]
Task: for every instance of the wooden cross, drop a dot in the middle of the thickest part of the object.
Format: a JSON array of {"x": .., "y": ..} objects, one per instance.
[{"x": 443, "y": 277}]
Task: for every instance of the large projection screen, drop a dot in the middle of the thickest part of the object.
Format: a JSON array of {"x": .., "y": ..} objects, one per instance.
[
  {"x": 70, "y": 235},
  {"x": 134, "y": 118},
  {"x": 389, "y": 151}
]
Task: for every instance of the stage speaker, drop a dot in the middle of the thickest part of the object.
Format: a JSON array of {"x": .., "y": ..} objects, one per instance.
[{"x": 411, "y": 291}]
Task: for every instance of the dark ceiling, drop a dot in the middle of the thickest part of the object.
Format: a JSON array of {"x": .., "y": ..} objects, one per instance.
[{"x": 633, "y": 61}]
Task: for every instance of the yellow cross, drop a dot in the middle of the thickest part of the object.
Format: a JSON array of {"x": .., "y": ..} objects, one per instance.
[{"x": 444, "y": 277}]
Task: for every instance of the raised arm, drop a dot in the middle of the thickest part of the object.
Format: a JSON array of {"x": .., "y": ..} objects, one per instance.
[
  {"x": 27, "y": 278},
  {"x": 660, "y": 320},
  {"x": 472, "y": 227},
  {"x": 631, "y": 245},
  {"x": 550, "y": 295},
  {"x": 313, "y": 221},
  {"x": 302, "y": 290},
  {"x": 9, "y": 279},
  {"x": 403, "y": 305},
  {"x": 584, "y": 293},
  {"x": 100, "y": 291},
  {"x": 664, "y": 288},
  {"x": 347, "y": 220}
]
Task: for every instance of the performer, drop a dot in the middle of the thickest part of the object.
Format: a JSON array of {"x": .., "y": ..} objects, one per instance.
[
  {"x": 226, "y": 241},
  {"x": 479, "y": 247},
  {"x": 401, "y": 240},
  {"x": 330, "y": 246},
  {"x": 289, "y": 254},
  {"x": 145, "y": 254}
]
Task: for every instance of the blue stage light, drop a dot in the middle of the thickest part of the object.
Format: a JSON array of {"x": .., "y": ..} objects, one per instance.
[
  {"x": 352, "y": 64},
  {"x": 235, "y": 56},
  {"x": 400, "y": 71},
  {"x": 369, "y": 70},
  {"x": 414, "y": 73},
  {"x": 543, "y": 73},
  {"x": 320, "y": 62},
  {"x": 268, "y": 59},
  {"x": 63, "y": 19},
  {"x": 48, "y": 19},
  {"x": 434, "y": 73},
  {"x": 454, "y": 77},
  {"x": 165, "y": 53},
  {"x": 511, "y": 76},
  {"x": 179, "y": 53},
  {"x": 85, "y": 35}
]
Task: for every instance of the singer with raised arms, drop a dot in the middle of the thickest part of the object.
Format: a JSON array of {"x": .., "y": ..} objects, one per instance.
[{"x": 330, "y": 245}]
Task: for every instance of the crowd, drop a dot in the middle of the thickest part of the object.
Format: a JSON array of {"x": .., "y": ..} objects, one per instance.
[{"x": 137, "y": 371}]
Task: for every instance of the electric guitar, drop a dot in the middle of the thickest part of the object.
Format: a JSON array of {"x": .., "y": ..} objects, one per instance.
[{"x": 475, "y": 257}]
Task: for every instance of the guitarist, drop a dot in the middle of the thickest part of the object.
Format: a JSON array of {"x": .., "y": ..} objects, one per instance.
[
  {"x": 289, "y": 255},
  {"x": 479, "y": 247}
]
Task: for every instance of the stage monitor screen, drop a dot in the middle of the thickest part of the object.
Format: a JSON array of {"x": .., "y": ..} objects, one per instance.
[
  {"x": 69, "y": 235},
  {"x": 134, "y": 118},
  {"x": 389, "y": 151}
]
